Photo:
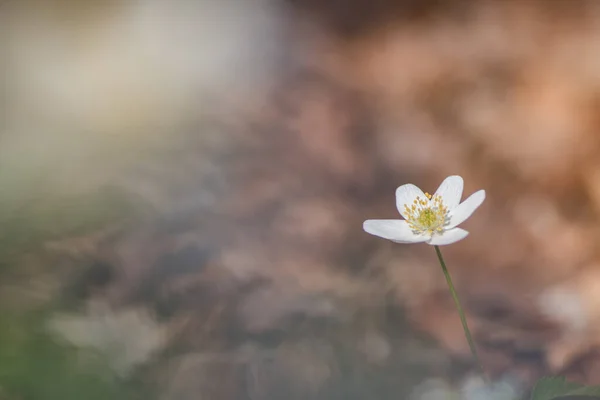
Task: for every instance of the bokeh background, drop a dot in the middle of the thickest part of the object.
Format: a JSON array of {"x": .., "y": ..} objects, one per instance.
[{"x": 183, "y": 185}]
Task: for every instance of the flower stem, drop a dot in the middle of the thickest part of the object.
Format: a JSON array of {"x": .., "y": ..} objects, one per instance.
[{"x": 461, "y": 313}]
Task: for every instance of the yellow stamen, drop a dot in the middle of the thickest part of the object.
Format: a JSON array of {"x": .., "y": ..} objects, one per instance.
[{"x": 428, "y": 215}]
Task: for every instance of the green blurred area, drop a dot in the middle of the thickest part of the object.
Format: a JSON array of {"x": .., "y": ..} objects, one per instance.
[
  {"x": 32, "y": 215},
  {"x": 34, "y": 365}
]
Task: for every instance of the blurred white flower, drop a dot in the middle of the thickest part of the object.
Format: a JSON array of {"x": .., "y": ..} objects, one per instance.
[
  {"x": 508, "y": 387},
  {"x": 128, "y": 338},
  {"x": 430, "y": 219}
]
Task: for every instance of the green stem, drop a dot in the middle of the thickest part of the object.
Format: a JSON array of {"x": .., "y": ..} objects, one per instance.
[{"x": 461, "y": 313}]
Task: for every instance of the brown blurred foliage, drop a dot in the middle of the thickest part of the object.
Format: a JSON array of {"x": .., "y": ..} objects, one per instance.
[{"x": 252, "y": 256}]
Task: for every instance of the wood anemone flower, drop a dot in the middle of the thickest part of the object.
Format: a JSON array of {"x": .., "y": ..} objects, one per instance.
[{"x": 432, "y": 219}]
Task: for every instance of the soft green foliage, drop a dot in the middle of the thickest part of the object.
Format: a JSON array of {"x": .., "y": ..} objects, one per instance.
[
  {"x": 30, "y": 219},
  {"x": 34, "y": 366},
  {"x": 552, "y": 387}
]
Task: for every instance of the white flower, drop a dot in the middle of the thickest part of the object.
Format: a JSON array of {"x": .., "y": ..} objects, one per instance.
[{"x": 431, "y": 219}]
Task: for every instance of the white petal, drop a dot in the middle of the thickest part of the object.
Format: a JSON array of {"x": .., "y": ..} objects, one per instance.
[
  {"x": 448, "y": 237},
  {"x": 451, "y": 190},
  {"x": 465, "y": 209},
  {"x": 406, "y": 194},
  {"x": 393, "y": 229}
]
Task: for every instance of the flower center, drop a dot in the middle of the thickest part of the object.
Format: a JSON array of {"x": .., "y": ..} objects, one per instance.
[{"x": 428, "y": 215}]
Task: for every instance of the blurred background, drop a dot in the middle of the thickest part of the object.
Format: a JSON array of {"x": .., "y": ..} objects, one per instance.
[{"x": 183, "y": 185}]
